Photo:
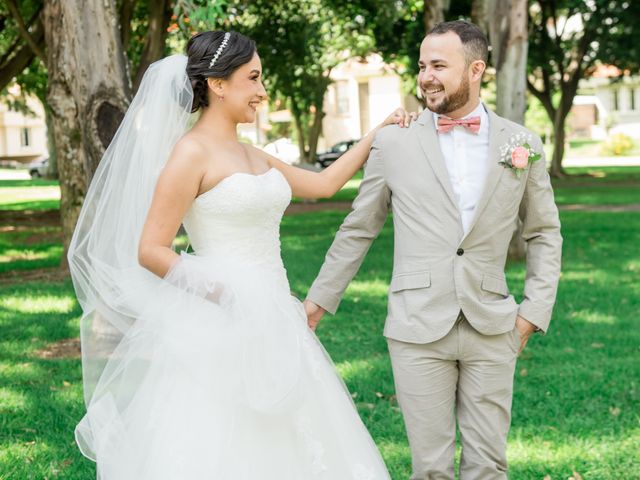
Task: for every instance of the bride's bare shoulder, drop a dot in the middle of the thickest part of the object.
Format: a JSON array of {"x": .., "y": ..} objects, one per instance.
[{"x": 188, "y": 152}]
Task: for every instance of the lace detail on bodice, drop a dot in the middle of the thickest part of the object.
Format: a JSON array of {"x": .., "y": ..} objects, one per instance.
[{"x": 240, "y": 218}]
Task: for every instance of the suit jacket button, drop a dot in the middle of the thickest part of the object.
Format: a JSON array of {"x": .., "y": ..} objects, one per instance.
[{"x": 460, "y": 252}]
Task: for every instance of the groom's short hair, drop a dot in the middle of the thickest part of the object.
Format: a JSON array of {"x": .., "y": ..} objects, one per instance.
[{"x": 474, "y": 42}]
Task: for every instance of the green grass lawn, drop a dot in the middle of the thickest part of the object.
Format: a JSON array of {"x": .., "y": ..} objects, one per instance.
[{"x": 577, "y": 388}]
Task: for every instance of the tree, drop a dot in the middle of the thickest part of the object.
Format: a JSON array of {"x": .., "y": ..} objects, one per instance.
[
  {"x": 299, "y": 43},
  {"x": 21, "y": 38},
  {"x": 88, "y": 82},
  {"x": 506, "y": 23},
  {"x": 568, "y": 38},
  {"x": 88, "y": 93},
  {"x": 398, "y": 28}
]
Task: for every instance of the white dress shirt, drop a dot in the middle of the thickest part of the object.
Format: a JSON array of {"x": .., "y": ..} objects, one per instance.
[{"x": 466, "y": 156}]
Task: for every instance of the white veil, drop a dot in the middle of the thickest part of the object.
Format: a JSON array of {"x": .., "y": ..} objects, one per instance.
[{"x": 103, "y": 254}]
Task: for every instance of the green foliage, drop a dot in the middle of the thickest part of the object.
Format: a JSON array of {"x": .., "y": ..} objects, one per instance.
[
  {"x": 601, "y": 29},
  {"x": 299, "y": 43},
  {"x": 567, "y": 40},
  {"x": 33, "y": 80}
]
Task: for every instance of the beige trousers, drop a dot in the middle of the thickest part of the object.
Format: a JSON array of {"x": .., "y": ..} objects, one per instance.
[{"x": 466, "y": 375}]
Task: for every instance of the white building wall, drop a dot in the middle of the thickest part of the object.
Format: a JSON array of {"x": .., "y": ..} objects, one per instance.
[
  {"x": 12, "y": 125},
  {"x": 385, "y": 95}
]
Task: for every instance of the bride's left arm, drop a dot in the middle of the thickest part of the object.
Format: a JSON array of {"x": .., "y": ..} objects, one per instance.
[{"x": 308, "y": 184}]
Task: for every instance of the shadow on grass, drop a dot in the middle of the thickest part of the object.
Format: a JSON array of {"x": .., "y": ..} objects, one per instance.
[
  {"x": 576, "y": 389},
  {"x": 576, "y": 393}
]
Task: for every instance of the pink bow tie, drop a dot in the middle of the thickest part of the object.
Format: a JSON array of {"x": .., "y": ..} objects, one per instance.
[{"x": 446, "y": 124}]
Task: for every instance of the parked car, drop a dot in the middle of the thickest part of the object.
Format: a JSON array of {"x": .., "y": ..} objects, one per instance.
[
  {"x": 39, "y": 167},
  {"x": 284, "y": 149},
  {"x": 327, "y": 158}
]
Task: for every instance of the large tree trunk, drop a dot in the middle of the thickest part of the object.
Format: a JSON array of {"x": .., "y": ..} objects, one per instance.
[
  {"x": 88, "y": 93},
  {"x": 509, "y": 41},
  {"x": 51, "y": 143}
]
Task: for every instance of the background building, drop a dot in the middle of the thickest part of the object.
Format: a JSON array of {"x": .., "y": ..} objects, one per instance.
[
  {"x": 363, "y": 93},
  {"x": 23, "y": 137}
]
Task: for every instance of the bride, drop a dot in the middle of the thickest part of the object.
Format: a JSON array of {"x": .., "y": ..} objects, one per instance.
[{"x": 201, "y": 366}]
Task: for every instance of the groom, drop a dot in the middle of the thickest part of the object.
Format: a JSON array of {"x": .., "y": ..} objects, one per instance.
[{"x": 453, "y": 329}]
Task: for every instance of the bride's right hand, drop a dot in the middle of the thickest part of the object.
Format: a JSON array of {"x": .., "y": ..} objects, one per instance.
[{"x": 400, "y": 117}]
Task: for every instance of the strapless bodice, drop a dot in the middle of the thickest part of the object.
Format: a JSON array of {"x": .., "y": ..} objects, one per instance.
[{"x": 240, "y": 218}]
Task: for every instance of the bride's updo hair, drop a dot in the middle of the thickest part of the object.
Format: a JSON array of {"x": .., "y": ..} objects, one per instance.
[{"x": 201, "y": 50}]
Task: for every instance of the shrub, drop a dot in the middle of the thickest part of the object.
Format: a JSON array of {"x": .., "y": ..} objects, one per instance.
[{"x": 617, "y": 144}]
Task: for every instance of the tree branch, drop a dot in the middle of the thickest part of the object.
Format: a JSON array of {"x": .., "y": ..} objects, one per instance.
[
  {"x": 544, "y": 96},
  {"x": 21, "y": 60},
  {"x": 24, "y": 32},
  {"x": 570, "y": 87},
  {"x": 126, "y": 13},
  {"x": 10, "y": 51}
]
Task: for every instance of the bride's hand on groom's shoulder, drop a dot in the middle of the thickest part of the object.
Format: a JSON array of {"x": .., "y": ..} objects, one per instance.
[
  {"x": 400, "y": 117},
  {"x": 314, "y": 314}
]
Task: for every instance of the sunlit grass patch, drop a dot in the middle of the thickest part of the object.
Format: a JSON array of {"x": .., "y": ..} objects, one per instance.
[{"x": 576, "y": 389}]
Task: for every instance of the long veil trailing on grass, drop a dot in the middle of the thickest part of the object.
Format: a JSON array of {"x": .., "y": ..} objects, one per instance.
[{"x": 103, "y": 254}]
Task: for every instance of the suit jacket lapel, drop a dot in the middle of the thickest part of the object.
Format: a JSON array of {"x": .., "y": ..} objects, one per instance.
[
  {"x": 498, "y": 135},
  {"x": 428, "y": 137}
]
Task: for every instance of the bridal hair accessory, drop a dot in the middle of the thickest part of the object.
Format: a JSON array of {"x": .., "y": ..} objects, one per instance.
[
  {"x": 224, "y": 43},
  {"x": 517, "y": 153}
]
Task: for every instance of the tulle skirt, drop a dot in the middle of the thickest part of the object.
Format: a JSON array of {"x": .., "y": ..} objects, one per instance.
[{"x": 230, "y": 386}]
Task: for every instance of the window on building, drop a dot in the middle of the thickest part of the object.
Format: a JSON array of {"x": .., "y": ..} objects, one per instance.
[
  {"x": 25, "y": 137},
  {"x": 616, "y": 103},
  {"x": 632, "y": 100},
  {"x": 342, "y": 98}
]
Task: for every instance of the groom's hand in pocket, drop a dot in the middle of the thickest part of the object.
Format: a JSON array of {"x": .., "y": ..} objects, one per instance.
[
  {"x": 525, "y": 328},
  {"x": 314, "y": 314}
]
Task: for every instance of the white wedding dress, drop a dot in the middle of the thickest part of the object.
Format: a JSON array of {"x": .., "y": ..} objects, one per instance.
[{"x": 233, "y": 386}]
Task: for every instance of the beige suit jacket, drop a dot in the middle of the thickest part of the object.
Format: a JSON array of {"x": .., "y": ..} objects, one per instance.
[{"x": 437, "y": 270}]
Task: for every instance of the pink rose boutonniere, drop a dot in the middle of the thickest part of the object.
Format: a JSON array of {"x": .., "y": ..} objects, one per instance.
[{"x": 517, "y": 153}]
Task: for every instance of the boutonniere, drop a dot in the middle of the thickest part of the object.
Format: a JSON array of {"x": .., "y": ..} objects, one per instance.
[{"x": 517, "y": 153}]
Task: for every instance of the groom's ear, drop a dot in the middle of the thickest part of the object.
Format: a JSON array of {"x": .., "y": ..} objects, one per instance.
[
  {"x": 215, "y": 85},
  {"x": 477, "y": 70}
]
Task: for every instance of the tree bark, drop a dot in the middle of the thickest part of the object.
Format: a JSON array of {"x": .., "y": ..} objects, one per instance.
[
  {"x": 509, "y": 40},
  {"x": 434, "y": 13},
  {"x": 51, "y": 143},
  {"x": 87, "y": 91},
  {"x": 300, "y": 130},
  {"x": 507, "y": 21},
  {"x": 159, "y": 17},
  {"x": 314, "y": 134},
  {"x": 557, "y": 170}
]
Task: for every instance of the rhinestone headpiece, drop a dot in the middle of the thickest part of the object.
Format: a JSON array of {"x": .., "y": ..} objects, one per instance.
[{"x": 225, "y": 40}]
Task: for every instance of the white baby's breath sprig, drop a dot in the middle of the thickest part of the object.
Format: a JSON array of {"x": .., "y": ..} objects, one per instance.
[
  {"x": 225, "y": 40},
  {"x": 517, "y": 153}
]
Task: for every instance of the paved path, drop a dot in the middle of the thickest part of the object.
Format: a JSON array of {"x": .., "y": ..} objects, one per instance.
[{"x": 601, "y": 162}]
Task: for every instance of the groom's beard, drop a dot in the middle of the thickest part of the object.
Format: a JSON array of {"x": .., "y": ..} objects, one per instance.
[{"x": 450, "y": 103}]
